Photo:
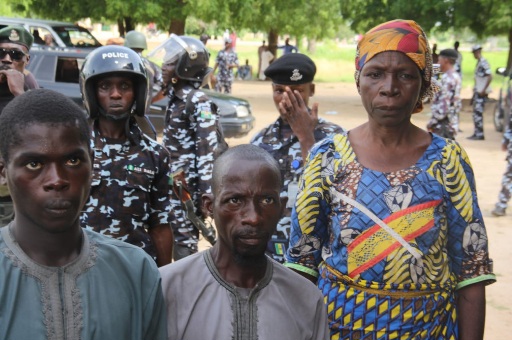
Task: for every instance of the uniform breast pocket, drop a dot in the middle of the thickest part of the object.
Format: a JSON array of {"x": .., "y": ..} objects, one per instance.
[{"x": 137, "y": 188}]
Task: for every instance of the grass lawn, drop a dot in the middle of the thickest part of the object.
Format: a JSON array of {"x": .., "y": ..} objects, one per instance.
[{"x": 335, "y": 63}]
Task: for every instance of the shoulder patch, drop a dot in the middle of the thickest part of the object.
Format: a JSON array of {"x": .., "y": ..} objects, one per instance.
[{"x": 206, "y": 114}]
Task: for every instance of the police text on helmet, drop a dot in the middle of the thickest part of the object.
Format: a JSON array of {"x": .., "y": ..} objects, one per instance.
[{"x": 114, "y": 55}]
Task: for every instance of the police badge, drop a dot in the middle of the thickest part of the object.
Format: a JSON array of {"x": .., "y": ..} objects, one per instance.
[
  {"x": 14, "y": 36},
  {"x": 296, "y": 76}
]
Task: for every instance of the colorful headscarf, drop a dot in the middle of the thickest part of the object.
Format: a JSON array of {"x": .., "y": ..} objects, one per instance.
[{"x": 404, "y": 36}]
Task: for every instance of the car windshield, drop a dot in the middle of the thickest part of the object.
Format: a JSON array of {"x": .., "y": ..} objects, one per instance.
[{"x": 75, "y": 36}]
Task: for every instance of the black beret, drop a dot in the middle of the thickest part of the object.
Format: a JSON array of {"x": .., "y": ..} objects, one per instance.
[
  {"x": 449, "y": 53},
  {"x": 17, "y": 35},
  {"x": 292, "y": 69}
]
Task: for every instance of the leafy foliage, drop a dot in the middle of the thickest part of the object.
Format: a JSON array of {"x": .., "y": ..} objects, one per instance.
[
  {"x": 365, "y": 14},
  {"x": 483, "y": 17},
  {"x": 314, "y": 19}
]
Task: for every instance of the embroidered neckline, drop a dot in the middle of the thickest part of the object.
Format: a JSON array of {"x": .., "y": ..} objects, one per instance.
[{"x": 49, "y": 279}]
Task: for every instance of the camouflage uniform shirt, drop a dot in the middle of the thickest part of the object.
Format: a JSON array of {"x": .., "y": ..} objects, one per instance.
[
  {"x": 191, "y": 139},
  {"x": 225, "y": 58},
  {"x": 280, "y": 142},
  {"x": 130, "y": 188},
  {"x": 445, "y": 105},
  {"x": 483, "y": 69}
]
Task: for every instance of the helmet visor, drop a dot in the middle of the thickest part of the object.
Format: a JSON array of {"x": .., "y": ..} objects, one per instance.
[{"x": 169, "y": 51}]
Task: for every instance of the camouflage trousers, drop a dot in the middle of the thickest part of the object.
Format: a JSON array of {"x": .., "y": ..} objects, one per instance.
[
  {"x": 223, "y": 84},
  {"x": 478, "y": 114},
  {"x": 454, "y": 119},
  {"x": 506, "y": 184},
  {"x": 6, "y": 212}
]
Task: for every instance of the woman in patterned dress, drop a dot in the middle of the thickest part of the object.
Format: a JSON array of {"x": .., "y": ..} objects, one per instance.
[{"x": 387, "y": 221}]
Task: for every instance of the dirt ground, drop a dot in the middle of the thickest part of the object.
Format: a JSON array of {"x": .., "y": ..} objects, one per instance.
[{"x": 340, "y": 103}]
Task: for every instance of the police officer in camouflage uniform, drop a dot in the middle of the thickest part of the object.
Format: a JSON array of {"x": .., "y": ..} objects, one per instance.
[
  {"x": 226, "y": 61},
  {"x": 483, "y": 77},
  {"x": 137, "y": 42},
  {"x": 446, "y": 103},
  {"x": 506, "y": 181},
  {"x": 291, "y": 136},
  {"x": 130, "y": 190},
  {"x": 192, "y": 130}
]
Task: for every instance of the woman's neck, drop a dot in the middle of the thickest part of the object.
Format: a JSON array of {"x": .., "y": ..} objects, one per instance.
[{"x": 388, "y": 150}]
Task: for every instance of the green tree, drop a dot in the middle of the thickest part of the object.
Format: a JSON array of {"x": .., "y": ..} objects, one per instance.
[
  {"x": 294, "y": 17},
  {"x": 365, "y": 14},
  {"x": 126, "y": 13},
  {"x": 173, "y": 14},
  {"x": 298, "y": 18},
  {"x": 484, "y": 17}
]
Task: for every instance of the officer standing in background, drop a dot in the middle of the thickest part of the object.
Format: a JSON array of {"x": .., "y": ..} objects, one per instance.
[
  {"x": 506, "y": 181},
  {"x": 192, "y": 134},
  {"x": 204, "y": 38},
  {"x": 130, "y": 190},
  {"x": 446, "y": 104},
  {"x": 226, "y": 61},
  {"x": 137, "y": 42},
  {"x": 291, "y": 136},
  {"x": 458, "y": 62},
  {"x": 15, "y": 43},
  {"x": 483, "y": 77}
]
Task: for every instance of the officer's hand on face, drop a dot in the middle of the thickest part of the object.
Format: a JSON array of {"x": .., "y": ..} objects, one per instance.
[
  {"x": 15, "y": 80},
  {"x": 296, "y": 113}
]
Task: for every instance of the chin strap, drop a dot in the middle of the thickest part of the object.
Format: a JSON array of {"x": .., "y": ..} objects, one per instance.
[{"x": 124, "y": 116}]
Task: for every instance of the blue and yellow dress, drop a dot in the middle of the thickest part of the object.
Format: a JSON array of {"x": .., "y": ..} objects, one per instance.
[{"x": 389, "y": 248}]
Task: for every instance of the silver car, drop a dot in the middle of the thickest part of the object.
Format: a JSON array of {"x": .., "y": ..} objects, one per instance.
[{"x": 63, "y": 34}]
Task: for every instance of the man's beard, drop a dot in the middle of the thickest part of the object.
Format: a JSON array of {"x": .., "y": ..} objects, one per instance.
[
  {"x": 250, "y": 256},
  {"x": 250, "y": 260}
]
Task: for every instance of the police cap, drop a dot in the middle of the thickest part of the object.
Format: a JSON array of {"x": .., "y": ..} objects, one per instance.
[
  {"x": 449, "y": 53},
  {"x": 16, "y": 35},
  {"x": 476, "y": 48},
  {"x": 292, "y": 69}
]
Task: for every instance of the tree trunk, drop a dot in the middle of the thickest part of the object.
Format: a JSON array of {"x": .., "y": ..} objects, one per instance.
[
  {"x": 177, "y": 26},
  {"x": 311, "y": 45},
  {"x": 128, "y": 25},
  {"x": 120, "y": 27},
  {"x": 272, "y": 41},
  {"x": 509, "y": 60}
]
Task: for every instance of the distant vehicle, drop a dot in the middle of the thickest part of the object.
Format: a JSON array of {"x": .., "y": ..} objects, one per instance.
[
  {"x": 64, "y": 34},
  {"x": 503, "y": 107},
  {"x": 59, "y": 69}
]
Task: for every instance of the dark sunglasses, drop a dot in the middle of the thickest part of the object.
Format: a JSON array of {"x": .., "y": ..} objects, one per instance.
[{"x": 14, "y": 54}]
